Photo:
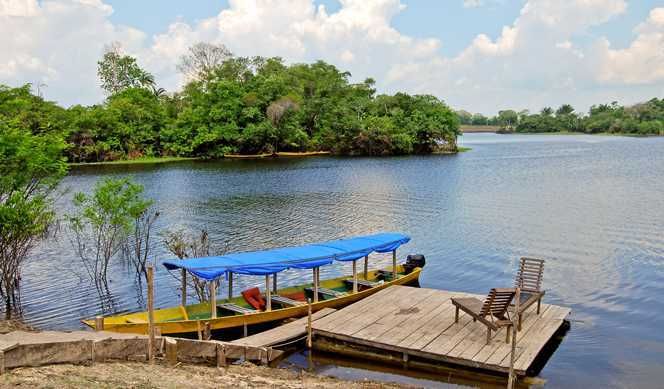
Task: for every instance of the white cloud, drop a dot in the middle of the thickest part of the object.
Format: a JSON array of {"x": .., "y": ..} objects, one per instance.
[
  {"x": 640, "y": 63},
  {"x": 472, "y": 3},
  {"x": 538, "y": 60}
]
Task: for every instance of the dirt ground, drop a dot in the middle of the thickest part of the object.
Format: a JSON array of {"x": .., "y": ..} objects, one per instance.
[{"x": 141, "y": 375}]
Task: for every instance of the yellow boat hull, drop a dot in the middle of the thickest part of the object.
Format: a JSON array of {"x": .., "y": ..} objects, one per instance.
[{"x": 176, "y": 320}]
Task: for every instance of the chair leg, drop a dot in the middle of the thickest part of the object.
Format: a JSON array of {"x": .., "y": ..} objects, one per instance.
[
  {"x": 539, "y": 302},
  {"x": 456, "y": 315},
  {"x": 488, "y": 335},
  {"x": 507, "y": 334}
]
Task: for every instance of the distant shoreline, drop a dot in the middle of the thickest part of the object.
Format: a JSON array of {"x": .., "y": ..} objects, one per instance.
[{"x": 478, "y": 129}]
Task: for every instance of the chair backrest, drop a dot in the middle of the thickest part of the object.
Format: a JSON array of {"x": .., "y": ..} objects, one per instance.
[
  {"x": 254, "y": 298},
  {"x": 497, "y": 302},
  {"x": 529, "y": 276}
]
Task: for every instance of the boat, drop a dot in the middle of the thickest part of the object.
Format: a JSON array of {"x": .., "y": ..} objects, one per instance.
[{"x": 288, "y": 302}]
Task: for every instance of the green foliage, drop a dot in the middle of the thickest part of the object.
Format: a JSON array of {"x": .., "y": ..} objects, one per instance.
[
  {"x": 103, "y": 223},
  {"x": 236, "y": 104},
  {"x": 118, "y": 72},
  {"x": 30, "y": 168},
  {"x": 641, "y": 119}
]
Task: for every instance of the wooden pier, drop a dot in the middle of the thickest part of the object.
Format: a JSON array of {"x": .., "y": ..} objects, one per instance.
[
  {"x": 414, "y": 324},
  {"x": 283, "y": 334}
]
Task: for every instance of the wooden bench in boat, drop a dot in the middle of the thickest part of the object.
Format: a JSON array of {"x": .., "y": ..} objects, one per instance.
[
  {"x": 325, "y": 292},
  {"x": 235, "y": 308},
  {"x": 286, "y": 302},
  {"x": 363, "y": 283}
]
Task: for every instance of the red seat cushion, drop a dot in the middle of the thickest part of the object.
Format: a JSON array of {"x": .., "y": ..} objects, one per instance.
[{"x": 254, "y": 298}]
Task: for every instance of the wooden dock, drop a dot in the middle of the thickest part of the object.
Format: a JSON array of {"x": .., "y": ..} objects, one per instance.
[
  {"x": 416, "y": 324},
  {"x": 284, "y": 333}
]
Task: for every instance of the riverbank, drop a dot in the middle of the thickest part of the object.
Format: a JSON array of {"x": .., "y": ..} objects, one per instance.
[
  {"x": 138, "y": 161},
  {"x": 469, "y": 129},
  {"x": 143, "y": 375}
]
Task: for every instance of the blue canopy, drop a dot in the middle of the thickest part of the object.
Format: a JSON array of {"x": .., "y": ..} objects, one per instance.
[{"x": 301, "y": 257}]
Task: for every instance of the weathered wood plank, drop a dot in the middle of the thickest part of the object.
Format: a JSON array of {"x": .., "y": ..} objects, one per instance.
[
  {"x": 488, "y": 350},
  {"x": 420, "y": 322},
  {"x": 284, "y": 332},
  {"x": 353, "y": 311}
]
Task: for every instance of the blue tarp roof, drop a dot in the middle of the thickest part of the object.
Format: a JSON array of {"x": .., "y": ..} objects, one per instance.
[{"x": 301, "y": 257}]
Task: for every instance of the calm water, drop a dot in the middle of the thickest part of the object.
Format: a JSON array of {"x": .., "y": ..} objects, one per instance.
[{"x": 592, "y": 206}]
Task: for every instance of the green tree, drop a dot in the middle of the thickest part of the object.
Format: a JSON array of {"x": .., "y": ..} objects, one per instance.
[
  {"x": 31, "y": 167},
  {"x": 118, "y": 72},
  {"x": 103, "y": 223}
]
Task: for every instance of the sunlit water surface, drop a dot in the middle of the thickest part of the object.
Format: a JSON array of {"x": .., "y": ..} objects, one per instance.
[{"x": 593, "y": 207}]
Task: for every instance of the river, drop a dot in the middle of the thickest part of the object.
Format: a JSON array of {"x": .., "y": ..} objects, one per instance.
[{"x": 592, "y": 206}]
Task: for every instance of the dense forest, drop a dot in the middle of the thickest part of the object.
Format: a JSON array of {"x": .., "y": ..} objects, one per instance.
[
  {"x": 640, "y": 119},
  {"x": 233, "y": 105}
]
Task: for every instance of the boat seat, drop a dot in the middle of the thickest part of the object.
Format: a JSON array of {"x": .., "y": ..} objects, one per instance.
[
  {"x": 361, "y": 283},
  {"x": 325, "y": 292},
  {"x": 253, "y": 297},
  {"x": 286, "y": 302},
  {"x": 235, "y": 308},
  {"x": 136, "y": 321},
  {"x": 386, "y": 274}
]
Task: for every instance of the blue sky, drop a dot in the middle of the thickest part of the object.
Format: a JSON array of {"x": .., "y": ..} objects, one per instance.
[{"x": 478, "y": 55}]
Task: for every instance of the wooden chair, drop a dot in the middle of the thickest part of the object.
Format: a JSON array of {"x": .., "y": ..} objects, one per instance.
[
  {"x": 494, "y": 306},
  {"x": 529, "y": 280}
]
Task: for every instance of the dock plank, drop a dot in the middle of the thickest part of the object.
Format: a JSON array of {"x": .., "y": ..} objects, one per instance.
[
  {"x": 420, "y": 322},
  {"x": 283, "y": 333}
]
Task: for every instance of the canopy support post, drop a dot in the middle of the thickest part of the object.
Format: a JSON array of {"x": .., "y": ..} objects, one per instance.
[
  {"x": 366, "y": 267},
  {"x": 315, "y": 284},
  {"x": 274, "y": 283},
  {"x": 268, "y": 295},
  {"x": 213, "y": 299},
  {"x": 394, "y": 264},
  {"x": 184, "y": 288},
  {"x": 230, "y": 285},
  {"x": 355, "y": 276}
]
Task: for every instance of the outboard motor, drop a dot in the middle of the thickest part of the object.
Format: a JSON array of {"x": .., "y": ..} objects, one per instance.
[{"x": 413, "y": 261}]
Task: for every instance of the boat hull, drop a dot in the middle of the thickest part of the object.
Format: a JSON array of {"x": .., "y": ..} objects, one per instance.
[{"x": 227, "y": 322}]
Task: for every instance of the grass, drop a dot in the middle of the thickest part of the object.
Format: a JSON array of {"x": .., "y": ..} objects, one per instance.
[
  {"x": 463, "y": 149},
  {"x": 138, "y": 161}
]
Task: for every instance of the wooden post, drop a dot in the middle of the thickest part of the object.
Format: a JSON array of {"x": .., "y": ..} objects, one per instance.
[
  {"x": 309, "y": 342},
  {"x": 366, "y": 267},
  {"x": 150, "y": 313},
  {"x": 274, "y": 283},
  {"x": 315, "y": 284},
  {"x": 171, "y": 351},
  {"x": 511, "y": 381},
  {"x": 355, "y": 276},
  {"x": 221, "y": 355},
  {"x": 213, "y": 299},
  {"x": 230, "y": 285},
  {"x": 99, "y": 323},
  {"x": 2, "y": 362},
  {"x": 268, "y": 295},
  {"x": 207, "y": 331},
  {"x": 184, "y": 288},
  {"x": 394, "y": 264},
  {"x": 198, "y": 329}
]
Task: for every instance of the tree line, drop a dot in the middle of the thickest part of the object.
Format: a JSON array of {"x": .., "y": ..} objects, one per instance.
[
  {"x": 233, "y": 105},
  {"x": 639, "y": 119}
]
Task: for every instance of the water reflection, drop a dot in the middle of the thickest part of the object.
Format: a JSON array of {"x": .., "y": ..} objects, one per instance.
[{"x": 592, "y": 206}]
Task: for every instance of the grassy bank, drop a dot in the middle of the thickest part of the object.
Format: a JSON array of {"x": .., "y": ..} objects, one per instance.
[
  {"x": 138, "y": 161},
  {"x": 142, "y": 375},
  {"x": 467, "y": 128}
]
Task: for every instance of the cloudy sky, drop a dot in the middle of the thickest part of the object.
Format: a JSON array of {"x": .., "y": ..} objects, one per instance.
[{"x": 478, "y": 55}]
